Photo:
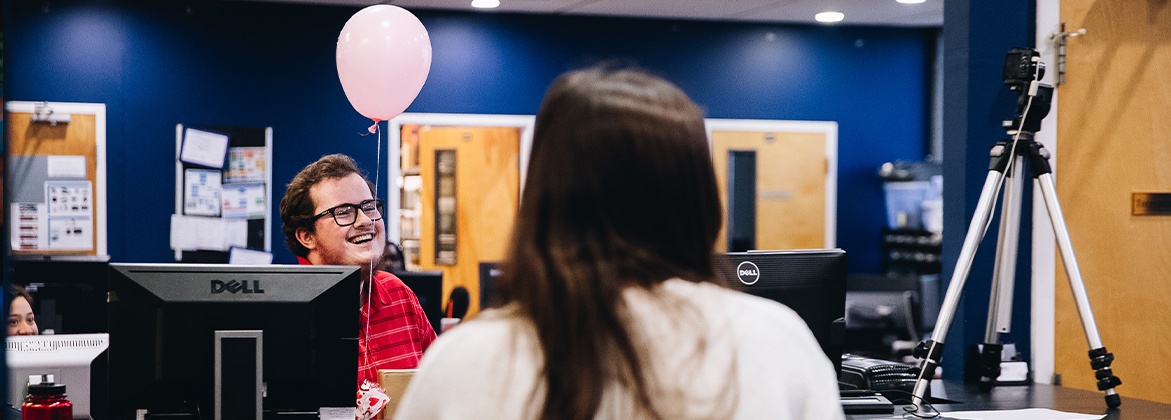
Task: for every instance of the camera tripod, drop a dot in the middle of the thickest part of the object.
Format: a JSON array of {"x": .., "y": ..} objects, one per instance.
[{"x": 1007, "y": 162}]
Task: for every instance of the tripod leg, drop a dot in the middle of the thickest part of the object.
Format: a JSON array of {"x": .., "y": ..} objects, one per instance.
[
  {"x": 1100, "y": 359},
  {"x": 932, "y": 350},
  {"x": 1003, "y": 276}
]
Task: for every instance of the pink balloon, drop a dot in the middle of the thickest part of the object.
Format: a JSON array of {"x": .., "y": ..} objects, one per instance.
[{"x": 383, "y": 57}]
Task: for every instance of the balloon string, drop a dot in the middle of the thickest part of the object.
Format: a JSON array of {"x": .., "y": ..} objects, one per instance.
[{"x": 370, "y": 280}]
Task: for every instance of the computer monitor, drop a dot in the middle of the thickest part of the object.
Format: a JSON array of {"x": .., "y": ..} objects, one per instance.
[
  {"x": 223, "y": 342},
  {"x": 70, "y": 358},
  {"x": 811, "y": 282},
  {"x": 489, "y": 272},
  {"x": 428, "y": 287}
]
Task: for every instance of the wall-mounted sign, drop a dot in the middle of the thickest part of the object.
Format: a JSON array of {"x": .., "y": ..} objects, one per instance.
[{"x": 1150, "y": 204}]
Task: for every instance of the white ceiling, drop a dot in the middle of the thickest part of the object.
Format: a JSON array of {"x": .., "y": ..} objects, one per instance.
[{"x": 858, "y": 12}]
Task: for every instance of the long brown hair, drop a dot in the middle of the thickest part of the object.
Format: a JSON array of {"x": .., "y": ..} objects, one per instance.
[{"x": 620, "y": 193}]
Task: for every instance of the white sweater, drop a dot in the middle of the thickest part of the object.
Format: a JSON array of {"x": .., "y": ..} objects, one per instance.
[{"x": 759, "y": 357}]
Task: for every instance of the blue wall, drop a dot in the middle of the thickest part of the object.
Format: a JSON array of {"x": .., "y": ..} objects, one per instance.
[{"x": 157, "y": 64}]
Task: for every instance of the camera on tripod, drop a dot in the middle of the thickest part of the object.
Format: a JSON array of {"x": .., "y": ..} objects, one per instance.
[
  {"x": 1022, "y": 73},
  {"x": 1023, "y": 70},
  {"x": 1022, "y": 66}
]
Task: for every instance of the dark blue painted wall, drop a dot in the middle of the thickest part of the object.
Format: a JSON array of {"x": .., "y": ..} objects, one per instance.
[
  {"x": 976, "y": 39},
  {"x": 156, "y": 64}
]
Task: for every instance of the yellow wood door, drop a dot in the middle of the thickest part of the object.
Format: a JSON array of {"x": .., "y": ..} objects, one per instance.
[
  {"x": 790, "y": 186},
  {"x": 487, "y": 184},
  {"x": 76, "y": 138},
  {"x": 1114, "y": 113}
]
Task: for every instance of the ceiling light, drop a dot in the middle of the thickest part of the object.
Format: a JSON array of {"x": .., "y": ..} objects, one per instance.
[
  {"x": 910, "y": 1},
  {"x": 829, "y": 17},
  {"x": 485, "y": 4}
]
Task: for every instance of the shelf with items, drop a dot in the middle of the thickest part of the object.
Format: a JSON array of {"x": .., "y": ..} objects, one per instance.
[
  {"x": 911, "y": 251},
  {"x": 410, "y": 205}
]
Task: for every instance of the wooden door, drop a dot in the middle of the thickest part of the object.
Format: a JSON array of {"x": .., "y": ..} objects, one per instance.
[
  {"x": 790, "y": 186},
  {"x": 487, "y": 185},
  {"x": 28, "y": 141},
  {"x": 1114, "y": 116}
]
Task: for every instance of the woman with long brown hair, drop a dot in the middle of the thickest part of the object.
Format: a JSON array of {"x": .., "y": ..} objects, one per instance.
[{"x": 609, "y": 304}]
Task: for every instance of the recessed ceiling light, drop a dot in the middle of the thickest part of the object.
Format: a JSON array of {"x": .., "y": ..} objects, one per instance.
[
  {"x": 485, "y": 4},
  {"x": 829, "y": 16},
  {"x": 910, "y": 1}
]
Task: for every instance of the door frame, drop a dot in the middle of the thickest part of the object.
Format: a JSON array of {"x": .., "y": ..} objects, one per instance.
[
  {"x": 1043, "y": 273},
  {"x": 829, "y": 128},
  {"x": 394, "y": 127}
]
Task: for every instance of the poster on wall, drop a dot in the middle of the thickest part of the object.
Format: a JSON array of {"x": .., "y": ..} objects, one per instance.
[
  {"x": 204, "y": 148},
  {"x": 202, "y": 192},
  {"x": 30, "y": 222},
  {"x": 73, "y": 233},
  {"x": 245, "y": 164},
  {"x": 70, "y": 215},
  {"x": 244, "y": 201}
]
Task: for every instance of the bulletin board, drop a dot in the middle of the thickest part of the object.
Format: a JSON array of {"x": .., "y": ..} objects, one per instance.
[
  {"x": 223, "y": 194},
  {"x": 56, "y": 184}
]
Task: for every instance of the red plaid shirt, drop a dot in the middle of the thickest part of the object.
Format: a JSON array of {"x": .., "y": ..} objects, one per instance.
[{"x": 398, "y": 330}]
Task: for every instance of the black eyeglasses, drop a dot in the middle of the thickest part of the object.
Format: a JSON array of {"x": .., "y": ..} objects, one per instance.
[{"x": 347, "y": 214}]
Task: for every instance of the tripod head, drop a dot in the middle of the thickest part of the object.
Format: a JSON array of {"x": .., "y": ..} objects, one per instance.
[{"x": 1023, "y": 70}]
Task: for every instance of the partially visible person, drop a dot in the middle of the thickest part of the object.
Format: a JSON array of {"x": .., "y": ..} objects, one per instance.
[
  {"x": 611, "y": 305},
  {"x": 457, "y": 308},
  {"x": 392, "y": 259},
  {"x": 330, "y": 217},
  {"x": 458, "y": 302},
  {"x": 21, "y": 320}
]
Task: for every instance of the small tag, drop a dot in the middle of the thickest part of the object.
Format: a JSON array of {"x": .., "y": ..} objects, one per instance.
[
  {"x": 336, "y": 413},
  {"x": 1150, "y": 204},
  {"x": 776, "y": 194}
]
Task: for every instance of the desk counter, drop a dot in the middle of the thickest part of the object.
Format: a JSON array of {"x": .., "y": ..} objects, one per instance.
[{"x": 1035, "y": 396}]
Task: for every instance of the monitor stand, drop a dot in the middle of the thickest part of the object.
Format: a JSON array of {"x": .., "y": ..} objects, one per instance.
[{"x": 239, "y": 372}]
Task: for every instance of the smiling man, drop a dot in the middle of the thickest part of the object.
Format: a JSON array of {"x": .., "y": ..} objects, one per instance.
[{"x": 330, "y": 217}]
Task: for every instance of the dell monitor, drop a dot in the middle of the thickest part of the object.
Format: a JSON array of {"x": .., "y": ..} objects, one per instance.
[
  {"x": 72, "y": 359},
  {"x": 811, "y": 282},
  {"x": 231, "y": 342}
]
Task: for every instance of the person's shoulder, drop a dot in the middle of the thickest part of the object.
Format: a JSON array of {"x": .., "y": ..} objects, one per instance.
[
  {"x": 725, "y": 296},
  {"x": 476, "y": 370},
  {"x": 385, "y": 277},
  {"x": 478, "y": 344},
  {"x": 740, "y": 306},
  {"x": 491, "y": 327},
  {"x": 390, "y": 283}
]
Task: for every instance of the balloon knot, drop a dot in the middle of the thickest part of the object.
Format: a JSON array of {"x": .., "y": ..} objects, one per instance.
[{"x": 374, "y": 128}]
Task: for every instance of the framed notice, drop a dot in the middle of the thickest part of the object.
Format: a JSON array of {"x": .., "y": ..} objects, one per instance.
[{"x": 204, "y": 148}]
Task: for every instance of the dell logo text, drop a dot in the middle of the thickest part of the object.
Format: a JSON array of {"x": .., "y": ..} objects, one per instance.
[
  {"x": 748, "y": 273},
  {"x": 235, "y": 286}
]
